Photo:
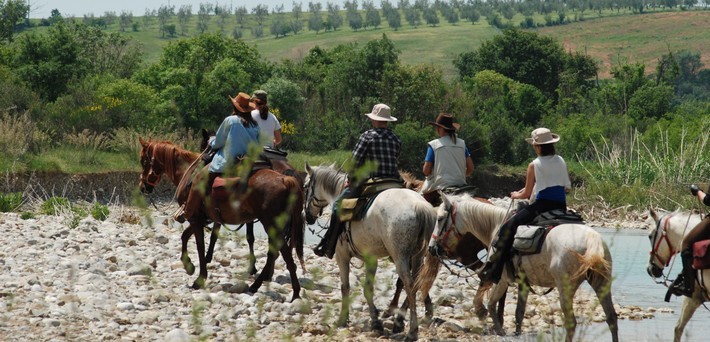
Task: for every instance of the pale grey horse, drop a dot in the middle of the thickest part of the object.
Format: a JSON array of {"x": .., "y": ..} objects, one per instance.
[
  {"x": 397, "y": 225},
  {"x": 666, "y": 240},
  {"x": 571, "y": 254}
]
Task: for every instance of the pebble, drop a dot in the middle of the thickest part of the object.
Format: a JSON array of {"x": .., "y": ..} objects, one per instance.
[{"x": 109, "y": 280}]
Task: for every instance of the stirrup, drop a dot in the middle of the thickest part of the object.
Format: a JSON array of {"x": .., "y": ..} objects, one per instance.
[{"x": 179, "y": 215}]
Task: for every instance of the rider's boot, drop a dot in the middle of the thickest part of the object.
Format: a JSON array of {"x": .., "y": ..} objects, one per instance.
[
  {"x": 492, "y": 270},
  {"x": 684, "y": 284},
  {"x": 326, "y": 247},
  {"x": 179, "y": 215}
]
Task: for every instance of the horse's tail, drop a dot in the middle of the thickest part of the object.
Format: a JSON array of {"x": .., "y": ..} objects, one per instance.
[
  {"x": 594, "y": 264},
  {"x": 430, "y": 266},
  {"x": 296, "y": 220}
]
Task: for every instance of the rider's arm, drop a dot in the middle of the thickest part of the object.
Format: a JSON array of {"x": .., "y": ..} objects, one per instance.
[
  {"x": 704, "y": 198},
  {"x": 220, "y": 137},
  {"x": 469, "y": 166},
  {"x": 525, "y": 192},
  {"x": 277, "y": 137},
  {"x": 428, "y": 161}
]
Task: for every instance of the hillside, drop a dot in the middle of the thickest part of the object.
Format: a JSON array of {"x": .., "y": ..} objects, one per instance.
[
  {"x": 637, "y": 38},
  {"x": 607, "y": 36}
]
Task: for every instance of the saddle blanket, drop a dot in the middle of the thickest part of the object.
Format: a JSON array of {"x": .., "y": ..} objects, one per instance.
[{"x": 701, "y": 257}]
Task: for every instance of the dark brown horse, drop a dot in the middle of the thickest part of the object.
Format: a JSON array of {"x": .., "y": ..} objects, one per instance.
[
  {"x": 279, "y": 165},
  {"x": 272, "y": 198}
]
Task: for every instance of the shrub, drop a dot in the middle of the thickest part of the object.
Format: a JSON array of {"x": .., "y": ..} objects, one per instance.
[
  {"x": 55, "y": 205},
  {"x": 88, "y": 144},
  {"x": 414, "y": 141},
  {"x": 19, "y": 135},
  {"x": 99, "y": 211},
  {"x": 27, "y": 215},
  {"x": 10, "y": 201}
]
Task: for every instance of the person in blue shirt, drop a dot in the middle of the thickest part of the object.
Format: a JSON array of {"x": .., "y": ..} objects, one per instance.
[{"x": 231, "y": 142}]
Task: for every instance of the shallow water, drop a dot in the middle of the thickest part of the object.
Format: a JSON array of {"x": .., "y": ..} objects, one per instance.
[{"x": 632, "y": 286}]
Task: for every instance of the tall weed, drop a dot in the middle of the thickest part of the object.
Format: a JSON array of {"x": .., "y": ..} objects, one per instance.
[
  {"x": 642, "y": 172},
  {"x": 20, "y": 135},
  {"x": 88, "y": 144},
  {"x": 126, "y": 139}
]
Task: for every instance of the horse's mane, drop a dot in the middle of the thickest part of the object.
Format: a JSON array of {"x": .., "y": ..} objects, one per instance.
[
  {"x": 478, "y": 215},
  {"x": 410, "y": 181},
  {"x": 181, "y": 153},
  {"x": 329, "y": 178}
]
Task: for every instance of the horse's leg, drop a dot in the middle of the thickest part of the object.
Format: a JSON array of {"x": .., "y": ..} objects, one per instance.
[
  {"x": 567, "y": 291},
  {"x": 213, "y": 241},
  {"x": 198, "y": 229},
  {"x": 184, "y": 257},
  {"x": 344, "y": 267},
  {"x": 602, "y": 288},
  {"x": 369, "y": 289},
  {"x": 250, "y": 242},
  {"x": 690, "y": 304},
  {"x": 478, "y": 307},
  {"x": 291, "y": 266},
  {"x": 523, "y": 291},
  {"x": 494, "y": 310},
  {"x": 268, "y": 269},
  {"x": 405, "y": 273},
  {"x": 395, "y": 300}
]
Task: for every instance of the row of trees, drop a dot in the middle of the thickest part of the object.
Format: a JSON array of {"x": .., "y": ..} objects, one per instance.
[
  {"x": 73, "y": 78},
  {"x": 172, "y": 21}
]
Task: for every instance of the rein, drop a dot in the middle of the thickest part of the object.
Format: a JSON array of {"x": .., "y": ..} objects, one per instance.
[{"x": 664, "y": 237}]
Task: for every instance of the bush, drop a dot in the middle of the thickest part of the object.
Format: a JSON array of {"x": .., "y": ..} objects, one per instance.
[
  {"x": 55, "y": 205},
  {"x": 27, "y": 215},
  {"x": 10, "y": 201},
  {"x": 19, "y": 135},
  {"x": 414, "y": 144},
  {"x": 99, "y": 211}
]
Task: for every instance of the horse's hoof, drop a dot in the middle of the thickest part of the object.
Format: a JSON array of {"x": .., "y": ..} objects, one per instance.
[
  {"x": 377, "y": 326},
  {"x": 198, "y": 284},
  {"x": 398, "y": 327},
  {"x": 253, "y": 289},
  {"x": 411, "y": 337},
  {"x": 481, "y": 314},
  {"x": 388, "y": 313}
]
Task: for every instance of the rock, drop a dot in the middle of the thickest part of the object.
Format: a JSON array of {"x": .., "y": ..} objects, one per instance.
[
  {"x": 143, "y": 270},
  {"x": 125, "y": 306},
  {"x": 239, "y": 287},
  {"x": 162, "y": 240},
  {"x": 177, "y": 335}
]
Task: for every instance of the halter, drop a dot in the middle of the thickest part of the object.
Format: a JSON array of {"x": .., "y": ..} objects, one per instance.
[
  {"x": 152, "y": 174},
  {"x": 664, "y": 237},
  {"x": 311, "y": 197}
]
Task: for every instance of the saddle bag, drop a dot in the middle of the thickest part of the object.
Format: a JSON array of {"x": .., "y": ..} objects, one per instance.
[
  {"x": 353, "y": 209},
  {"x": 701, "y": 257},
  {"x": 529, "y": 239}
]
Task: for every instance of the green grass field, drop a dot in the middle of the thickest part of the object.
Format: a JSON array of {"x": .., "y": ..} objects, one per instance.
[{"x": 607, "y": 36}]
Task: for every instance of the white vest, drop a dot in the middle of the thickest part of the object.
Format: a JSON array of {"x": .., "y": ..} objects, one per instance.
[
  {"x": 549, "y": 171},
  {"x": 449, "y": 164}
]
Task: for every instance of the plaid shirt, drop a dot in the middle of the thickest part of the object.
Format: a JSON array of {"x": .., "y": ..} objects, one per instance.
[{"x": 380, "y": 145}]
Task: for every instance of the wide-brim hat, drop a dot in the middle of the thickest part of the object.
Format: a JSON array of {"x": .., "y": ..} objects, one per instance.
[
  {"x": 381, "y": 112},
  {"x": 242, "y": 102},
  {"x": 542, "y": 136},
  {"x": 445, "y": 121}
]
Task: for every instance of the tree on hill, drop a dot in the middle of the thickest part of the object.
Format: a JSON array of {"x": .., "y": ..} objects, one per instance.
[
  {"x": 203, "y": 17},
  {"x": 296, "y": 23},
  {"x": 148, "y": 17},
  {"x": 353, "y": 15},
  {"x": 260, "y": 12},
  {"x": 222, "y": 13},
  {"x": 315, "y": 21},
  {"x": 241, "y": 14},
  {"x": 334, "y": 20},
  {"x": 125, "y": 20},
  {"x": 164, "y": 14},
  {"x": 431, "y": 17},
  {"x": 183, "y": 15},
  {"x": 372, "y": 16},
  {"x": 413, "y": 16}
]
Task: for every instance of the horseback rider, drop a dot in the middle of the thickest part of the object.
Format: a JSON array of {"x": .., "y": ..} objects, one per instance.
[
  {"x": 547, "y": 183},
  {"x": 448, "y": 160},
  {"x": 231, "y": 142},
  {"x": 379, "y": 144},
  {"x": 268, "y": 123},
  {"x": 684, "y": 284}
]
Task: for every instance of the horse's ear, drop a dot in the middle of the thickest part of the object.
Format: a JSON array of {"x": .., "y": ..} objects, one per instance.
[
  {"x": 205, "y": 134},
  {"x": 143, "y": 142},
  {"x": 653, "y": 214},
  {"x": 444, "y": 200},
  {"x": 308, "y": 168}
]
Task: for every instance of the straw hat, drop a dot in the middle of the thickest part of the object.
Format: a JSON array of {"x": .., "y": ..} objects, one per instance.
[
  {"x": 381, "y": 112},
  {"x": 542, "y": 136}
]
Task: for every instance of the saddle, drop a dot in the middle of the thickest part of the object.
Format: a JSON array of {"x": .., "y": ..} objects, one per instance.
[
  {"x": 701, "y": 257},
  {"x": 434, "y": 198},
  {"x": 223, "y": 187},
  {"x": 529, "y": 238},
  {"x": 354, "y": 209}
]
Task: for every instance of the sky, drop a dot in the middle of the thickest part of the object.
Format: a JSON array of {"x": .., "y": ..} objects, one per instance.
[{"x": 78, "y": 8}]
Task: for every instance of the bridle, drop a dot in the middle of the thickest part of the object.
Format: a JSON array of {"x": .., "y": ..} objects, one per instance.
[
  {"x": 445, "y": 231},
  {"x": 153, "y": 177},
  {"x": 656, "y": 240},
  {"x": 311, "y": 199}
]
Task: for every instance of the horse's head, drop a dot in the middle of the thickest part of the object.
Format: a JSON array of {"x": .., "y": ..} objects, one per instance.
[
  {"x": 314, "y": 204},
  {"x": 444, "y": 238},
  {"x": 662, "y": 248},
  {"x": 152, "y": 169},
  {"x": 206, "y": 135}
]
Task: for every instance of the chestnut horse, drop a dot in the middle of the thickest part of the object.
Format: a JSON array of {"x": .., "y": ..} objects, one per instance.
[
  {"x": 271, "y": 197},
  {"x": 278, "y": 165}
]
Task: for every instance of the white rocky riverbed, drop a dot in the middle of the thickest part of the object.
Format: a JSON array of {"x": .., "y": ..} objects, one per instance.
[{"x": 113, "y": 280}]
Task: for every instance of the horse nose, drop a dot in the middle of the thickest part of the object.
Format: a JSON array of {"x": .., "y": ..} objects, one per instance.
[
  {"x": 310, "y": 218},
  {"x": 654, "y": 271},
  {"x": 146, "y": 189}
]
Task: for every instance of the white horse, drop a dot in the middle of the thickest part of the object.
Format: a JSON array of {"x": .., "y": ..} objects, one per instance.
[
  {"x": 571, "y": 254},
  {"x": 397, "y": 225},
  {"x": 666, "y": 240}
]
